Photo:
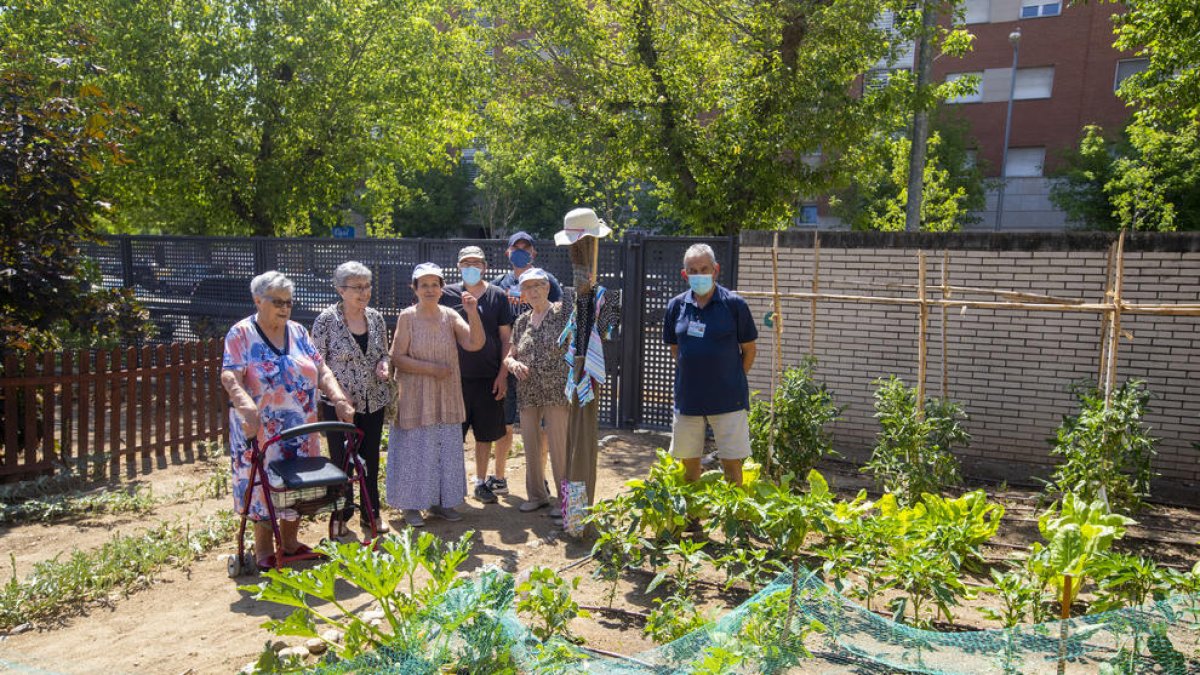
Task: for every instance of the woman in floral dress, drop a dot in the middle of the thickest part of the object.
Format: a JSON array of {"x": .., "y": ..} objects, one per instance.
[{"x": 272, "y": 371}]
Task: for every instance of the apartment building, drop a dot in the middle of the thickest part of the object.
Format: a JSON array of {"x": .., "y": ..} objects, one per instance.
[{"x": 1066, "y": 77}]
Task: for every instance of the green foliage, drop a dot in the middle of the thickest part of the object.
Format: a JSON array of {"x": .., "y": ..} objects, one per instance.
[
  {"x": 1020, "y": 596},
  {"x": 714, "y": 109},
  {"x": 1076, "y": 532},
  {"x": 1125, "y": 580},
  {"x": 434, "y": 203},
  {"x": 56, "y": 134},
  {"x": 913, "y": 453},
  {"x": 547, "y": 597},
  {"x": 126, "y": 562},
  {"x": 1080, "y": 186},
  {"x": 803, "y": 407},
  {"x": 60, "y": 507},
  {"x": 952, "y": 187},
  {"x": 272, "y": 118},
  {"x": 672, "y": 618},
  {"x": 1107, "y": 449}
]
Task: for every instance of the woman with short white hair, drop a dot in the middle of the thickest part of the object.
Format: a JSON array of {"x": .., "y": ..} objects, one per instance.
[
  {"x": 353, "y": 340},
  {"x": 272, "y": 372}
]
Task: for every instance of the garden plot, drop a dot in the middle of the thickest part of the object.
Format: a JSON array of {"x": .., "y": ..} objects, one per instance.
[{"x": 187, "y": 616}]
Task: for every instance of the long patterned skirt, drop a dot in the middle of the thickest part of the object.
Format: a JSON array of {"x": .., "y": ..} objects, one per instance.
[{"x": 425, "y": 467}]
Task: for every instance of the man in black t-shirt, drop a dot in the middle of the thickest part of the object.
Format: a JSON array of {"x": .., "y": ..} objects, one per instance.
[{"x": 484, "y": 375}]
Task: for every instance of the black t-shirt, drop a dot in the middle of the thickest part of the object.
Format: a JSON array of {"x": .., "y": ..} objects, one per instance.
[{"x": 493, "y": 312}]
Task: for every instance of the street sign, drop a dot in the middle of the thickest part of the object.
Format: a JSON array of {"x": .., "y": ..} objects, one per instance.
[{"x": 343, "y": 232}]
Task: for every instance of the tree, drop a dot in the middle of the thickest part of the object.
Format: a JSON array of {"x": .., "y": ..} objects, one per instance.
[
  {"x": 55, "y": 134},
  {"x": 1152, "y": 181},
  {"x": 952, "y": 184},
  {"x": 718, "y": 107},
  {"x": 273, "y": 117}
]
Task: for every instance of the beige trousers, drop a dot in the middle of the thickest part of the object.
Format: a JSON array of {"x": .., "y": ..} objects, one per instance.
[{"x": 555, "y": 417}]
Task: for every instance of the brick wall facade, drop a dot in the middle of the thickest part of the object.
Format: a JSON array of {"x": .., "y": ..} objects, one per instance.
[{"x": 1009, "y": 368}]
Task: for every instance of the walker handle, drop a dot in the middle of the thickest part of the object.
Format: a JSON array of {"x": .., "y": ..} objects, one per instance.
[{"x": 315, "y": 428}]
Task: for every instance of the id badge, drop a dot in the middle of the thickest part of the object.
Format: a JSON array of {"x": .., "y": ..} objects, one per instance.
[{"x": 695, "y": 329}]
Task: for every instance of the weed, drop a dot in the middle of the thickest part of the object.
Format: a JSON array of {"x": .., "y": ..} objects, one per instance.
[
  {"x": 56, "y": 587},
  {"x": 138, "y": 499}
]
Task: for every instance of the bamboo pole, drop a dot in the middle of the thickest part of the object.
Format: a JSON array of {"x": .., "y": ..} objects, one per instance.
[
  {"x": 1102, "y": 364},
  {"x": 945, "y": 295},
  {"x": 1092, "y": 307},
  {"x": 1114, "y": 336},
  {"x": 1004, "y": 293},
  {"x": 777, "y": 351},
  {"x": 816, "y": 289},
  {"x": 1064, "y": 614},
  {"x": 922, "y": 336}
]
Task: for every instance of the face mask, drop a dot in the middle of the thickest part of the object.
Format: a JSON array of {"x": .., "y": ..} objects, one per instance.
[
  {"x": 700, "y": 284},
  {"x": 520, "y": 257},
  {"x": 471, "y": 275}
]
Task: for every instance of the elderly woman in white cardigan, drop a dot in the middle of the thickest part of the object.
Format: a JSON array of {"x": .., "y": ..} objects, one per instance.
[{"x": 352, "y": 337}]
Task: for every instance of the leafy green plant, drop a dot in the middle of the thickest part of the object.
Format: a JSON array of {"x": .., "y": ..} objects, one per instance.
[
  {"x": 138, "y": 499},
  {"x": 803, "y": 409},
  {"x": 925, "y": 576},
  {"x": 618, "y": 544},
  {"x": 416, "y": 584},
  {"x": 1124, "y": 580},
  {"x": 913, "y": 453},
  {"x": 1019, "y": 597},
  {"x": 547, "y": 598},
  {"x": 1076, "y": 533},
  {"x": 672, "y": 618},
  {"x": 1106, "y": 448},
  {"x": 56, "y": 587}
]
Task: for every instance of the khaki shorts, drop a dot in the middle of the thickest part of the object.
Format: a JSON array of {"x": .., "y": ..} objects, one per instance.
[{"x": 731, "y": 430}]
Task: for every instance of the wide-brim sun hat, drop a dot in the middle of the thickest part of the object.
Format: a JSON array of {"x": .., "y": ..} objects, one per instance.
[
  {"x": 427, "y": 269},
  {"x": 580, "y": 223}
]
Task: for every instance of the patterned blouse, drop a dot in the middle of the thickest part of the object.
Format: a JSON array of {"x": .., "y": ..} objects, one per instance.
[
  {"x": 354, "y": 369},
  {"x": 538, "y": 348}
]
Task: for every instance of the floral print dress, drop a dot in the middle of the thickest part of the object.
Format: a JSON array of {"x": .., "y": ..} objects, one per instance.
[{"x": 283, "y": 384}]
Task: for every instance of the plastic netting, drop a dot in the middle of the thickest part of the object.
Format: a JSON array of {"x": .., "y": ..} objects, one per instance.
[{"x": 822, "y": 631}]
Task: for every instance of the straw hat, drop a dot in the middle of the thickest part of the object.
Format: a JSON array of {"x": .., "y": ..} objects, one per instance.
[{"x": 580, "y": 223}]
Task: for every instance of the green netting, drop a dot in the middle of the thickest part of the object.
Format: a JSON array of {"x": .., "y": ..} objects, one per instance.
[{"x": 477, "y": 631}]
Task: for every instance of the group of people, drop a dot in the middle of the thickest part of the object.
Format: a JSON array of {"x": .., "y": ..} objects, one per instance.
[{"x": 474, "y": 356}]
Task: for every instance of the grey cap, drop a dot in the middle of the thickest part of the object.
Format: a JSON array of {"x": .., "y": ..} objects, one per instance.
[{"x": 471, "y": 252}]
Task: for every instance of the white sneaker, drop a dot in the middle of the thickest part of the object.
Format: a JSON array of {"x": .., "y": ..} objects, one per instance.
[
  {"x": 449, "y": 514},
  {"x": 413, "y": 518},
  {"x": 527, "y": 507}
]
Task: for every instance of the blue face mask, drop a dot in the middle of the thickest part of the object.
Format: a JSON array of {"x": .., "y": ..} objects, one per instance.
[
  {"x": 520, "y": 257},
  {"x": 700, "y": 284},
  {"x": 471, "y": 275}
]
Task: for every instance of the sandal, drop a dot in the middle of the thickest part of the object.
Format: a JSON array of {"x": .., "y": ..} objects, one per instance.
[
  {"x": 305, "y": 549},
  {"x": 267, "y": 563}
]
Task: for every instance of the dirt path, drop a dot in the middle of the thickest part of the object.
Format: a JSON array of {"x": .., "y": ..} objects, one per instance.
[{"x": 197, "y": 621}]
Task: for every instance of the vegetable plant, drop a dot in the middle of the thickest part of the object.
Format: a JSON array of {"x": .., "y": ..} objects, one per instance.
[
  {"x": 913, "y": 454},
  {"x": 803, "y": 409},
  {"x": 1076, "y": 532},
  {"x": 1106, "y": 449},
  {"x": 547, "y": 598}
]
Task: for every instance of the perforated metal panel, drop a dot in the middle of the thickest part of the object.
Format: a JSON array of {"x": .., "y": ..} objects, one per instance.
[{"x": 197, "y": 287}]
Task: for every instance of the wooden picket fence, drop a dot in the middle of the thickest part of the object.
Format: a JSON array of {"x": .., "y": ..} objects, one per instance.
[{"x": 96, "y": 410}]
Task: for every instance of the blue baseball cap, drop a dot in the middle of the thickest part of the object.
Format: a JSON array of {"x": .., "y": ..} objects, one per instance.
[{"x": 519, "y": 236}]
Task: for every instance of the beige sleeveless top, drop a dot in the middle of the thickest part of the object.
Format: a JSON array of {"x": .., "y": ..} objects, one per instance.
[{"x": 426, "y": 400}]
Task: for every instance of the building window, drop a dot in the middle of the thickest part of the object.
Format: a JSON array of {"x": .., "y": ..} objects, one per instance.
[
  {"x": 806, "y": 215},
  {"x": 970, "y": 159},
  {"x": 1034, "y": 83},
  {"x": 1127, "y": 68},
  {"x": 1032, "y": 9},
  {"x": 973, "y": 97},
  {"x": 1024, "y": 162},
  {"x": 977, "y": 11},
  {"x": 876, "y": 79}
]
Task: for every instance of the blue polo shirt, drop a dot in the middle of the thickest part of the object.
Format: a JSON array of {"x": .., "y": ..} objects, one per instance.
[{"x": 709, "y": 379}]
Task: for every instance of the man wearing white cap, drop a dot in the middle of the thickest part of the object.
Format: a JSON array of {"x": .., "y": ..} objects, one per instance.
[
  {"x": 594, "y": 316},
  {"x": 484, "y": 375}
]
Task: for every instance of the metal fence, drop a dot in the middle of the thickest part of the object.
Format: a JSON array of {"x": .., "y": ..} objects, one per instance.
[{"x": 196, "y": 287}]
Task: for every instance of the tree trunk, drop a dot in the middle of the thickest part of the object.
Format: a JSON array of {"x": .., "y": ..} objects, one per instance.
[{"x": 920, "y": 126}]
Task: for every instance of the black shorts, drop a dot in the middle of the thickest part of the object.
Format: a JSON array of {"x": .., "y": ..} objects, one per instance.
[{"x": 485, "y": 415}]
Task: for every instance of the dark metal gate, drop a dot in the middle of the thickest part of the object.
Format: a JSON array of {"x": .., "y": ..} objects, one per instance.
[{"x": 196, "y": 287}]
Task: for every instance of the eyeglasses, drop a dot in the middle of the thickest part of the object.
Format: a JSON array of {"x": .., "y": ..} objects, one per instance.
[
  {"x": 280, "y": 304},
  {"x": 366, "y": 288}
]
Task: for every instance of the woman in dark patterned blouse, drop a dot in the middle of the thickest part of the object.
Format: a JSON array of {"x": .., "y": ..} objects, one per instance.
[
  {"x": 353, "y": 340},
  {"x": 539, "y": 363}
]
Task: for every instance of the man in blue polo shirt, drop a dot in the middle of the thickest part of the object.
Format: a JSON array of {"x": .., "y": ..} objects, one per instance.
[{"x": 711, "y": 333}]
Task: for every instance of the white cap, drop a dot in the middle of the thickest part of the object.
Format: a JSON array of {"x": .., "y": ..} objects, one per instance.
[
  {"x": 533, "y": 274},
  {"x": 426, "y": 269}
]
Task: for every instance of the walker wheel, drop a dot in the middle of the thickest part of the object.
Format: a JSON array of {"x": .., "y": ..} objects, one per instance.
[{"x": 233, "y": 566}]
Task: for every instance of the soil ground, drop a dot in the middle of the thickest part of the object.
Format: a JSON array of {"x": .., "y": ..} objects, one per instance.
[{"x": 197, "y": 621}]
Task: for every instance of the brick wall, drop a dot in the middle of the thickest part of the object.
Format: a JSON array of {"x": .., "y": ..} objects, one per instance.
[{"x": 1009, "y": 368}]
